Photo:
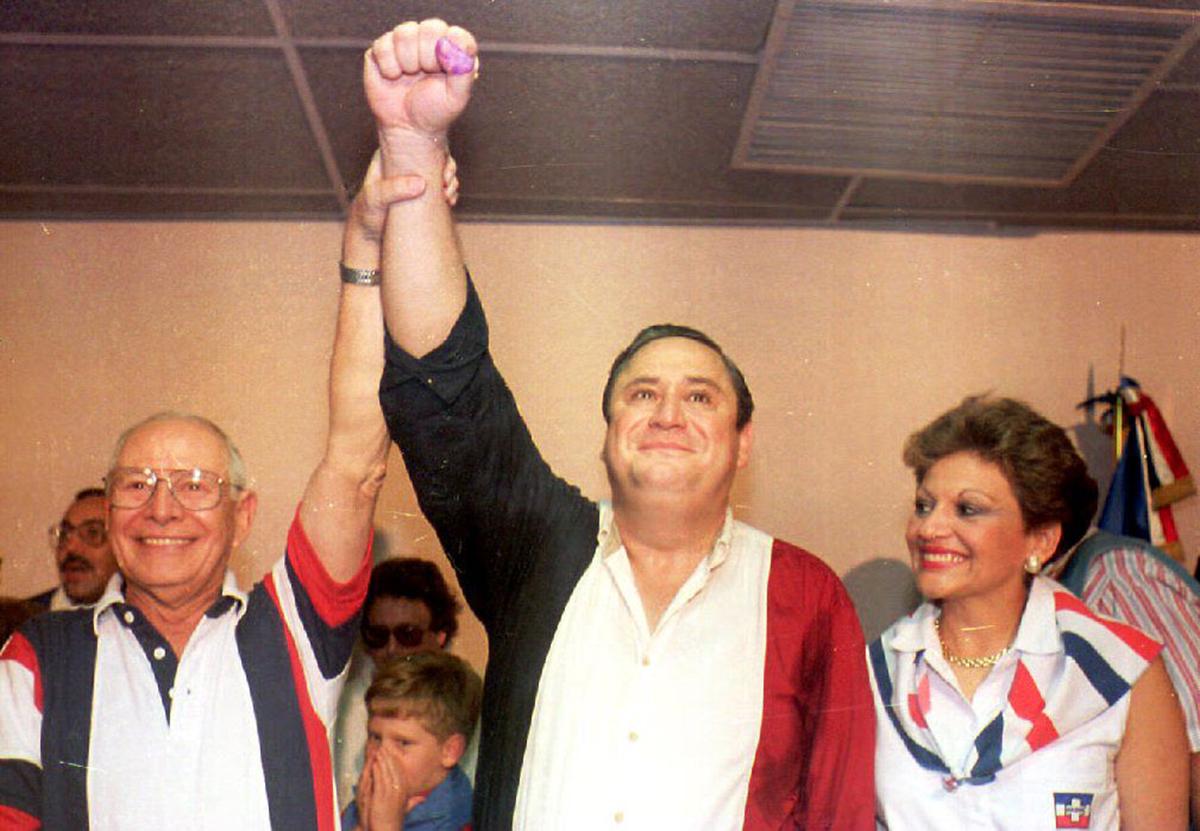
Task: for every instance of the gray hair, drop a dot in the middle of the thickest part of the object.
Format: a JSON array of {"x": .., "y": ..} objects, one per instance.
[{"x": 237, "y": 467}]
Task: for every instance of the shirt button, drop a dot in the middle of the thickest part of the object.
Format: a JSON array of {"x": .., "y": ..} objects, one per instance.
[
  {"x": 633, "y": 736},
  {"x": 646, "y": 661},
  {"x": 129, "y": 617},
  {"x": 159, "y": 653},
  {"x": 171, "y": 693},
  {"x": 619, "y": 816}
]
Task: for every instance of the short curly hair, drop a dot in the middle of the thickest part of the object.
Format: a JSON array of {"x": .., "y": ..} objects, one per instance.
[
  {"x": 411, "y": 578},
  {"x": 1048, "y": 476},
  {"x": 438, "y": 689}
]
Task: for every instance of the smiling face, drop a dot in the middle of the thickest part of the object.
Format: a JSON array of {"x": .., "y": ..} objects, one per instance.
[
  {"x": 84, "y": 569},
  {"x": 967, "y": 537},
  {"x": 673, "y": 431},
  {"x": 168, "y": 554}
]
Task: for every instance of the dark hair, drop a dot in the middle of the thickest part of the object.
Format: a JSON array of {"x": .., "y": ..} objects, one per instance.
[
  {"x": 1048, "y": 477},
  {"x": 436, "y": 688},
  {"x": 745, "y": 402},
  {"x": 411, "y": 578},
  {"x": 89, "y": 493}
]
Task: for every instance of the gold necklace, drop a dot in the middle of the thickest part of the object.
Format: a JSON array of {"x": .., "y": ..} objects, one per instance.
[{"x": 967, "y": 663}]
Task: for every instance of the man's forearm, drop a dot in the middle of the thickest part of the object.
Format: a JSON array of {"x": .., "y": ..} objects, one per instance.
[
  {"x": 424, "y": 286},
  {"x": 340, "y": 498}
]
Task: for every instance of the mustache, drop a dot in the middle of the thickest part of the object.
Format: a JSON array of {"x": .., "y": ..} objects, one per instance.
[{"x": 75, "y": 560}]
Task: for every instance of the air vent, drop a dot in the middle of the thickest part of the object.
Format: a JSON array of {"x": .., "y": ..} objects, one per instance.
[{"x": 1021, "y": 93}]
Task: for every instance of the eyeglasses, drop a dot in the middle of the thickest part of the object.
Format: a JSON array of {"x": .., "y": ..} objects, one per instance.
[
  {"x": 193, "y": 488},
  {"x": 91, "y": 532},
  {"x": 376, "y": 637}
]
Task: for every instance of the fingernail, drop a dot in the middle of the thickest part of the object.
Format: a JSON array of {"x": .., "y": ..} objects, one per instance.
[{"x": 453, "y": 58}]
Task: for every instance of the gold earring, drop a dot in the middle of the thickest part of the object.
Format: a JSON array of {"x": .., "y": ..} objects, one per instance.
[{"x": 1032, "y": 564}]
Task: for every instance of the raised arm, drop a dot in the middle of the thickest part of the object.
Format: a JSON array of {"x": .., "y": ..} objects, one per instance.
[
  {"x": 418, "y": 80},
  {"x": 339, "y": 501}
]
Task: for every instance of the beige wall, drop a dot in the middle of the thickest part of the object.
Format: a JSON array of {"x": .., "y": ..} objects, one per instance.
[{"x": 849, "y": 340}]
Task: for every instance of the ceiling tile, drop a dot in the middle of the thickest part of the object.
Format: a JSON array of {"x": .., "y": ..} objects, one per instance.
[
  {"x": 679, "y": 24},
  {"x": 1187, "y": 71},
  {"x": 1132, "y": 187},
  {"x": 588, "y": 112},
  {"x": 533, "y": 209},
  {"x": 134, "y": 17},
  {"x": 149, "y": 116},
  {"x": 1151, "y": 166},
  {"x": 587, "y": 129},
  {"x": 1169, "y": 5},
  {"x": 948, "y": 91},
  {"x": 150, "y": 205},
  {"x": 1167, "y": 125}
]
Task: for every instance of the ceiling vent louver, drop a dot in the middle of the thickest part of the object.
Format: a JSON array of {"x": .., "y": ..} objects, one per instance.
[{"x": 1020, "y": 93}]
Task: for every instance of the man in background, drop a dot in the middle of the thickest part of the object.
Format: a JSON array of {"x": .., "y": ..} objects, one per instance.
[{"x": 82, "y": 554}]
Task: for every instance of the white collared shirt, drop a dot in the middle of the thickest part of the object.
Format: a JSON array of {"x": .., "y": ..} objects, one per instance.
[
  {"x": 1074, "y": 773},
  {"x": 212, "y": 717},
  {"x": 651, "y": 730}
]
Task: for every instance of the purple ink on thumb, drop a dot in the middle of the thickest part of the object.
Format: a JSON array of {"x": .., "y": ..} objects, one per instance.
[{"x": 453, "y": 58}]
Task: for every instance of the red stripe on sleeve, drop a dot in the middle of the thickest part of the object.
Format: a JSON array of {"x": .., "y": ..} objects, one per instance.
[
  {"x": 335, "y": 602},
  {"x": 314, "y": 730},
  {"x": 20, "y": 650},
  {"x": 13, "y": 820}
]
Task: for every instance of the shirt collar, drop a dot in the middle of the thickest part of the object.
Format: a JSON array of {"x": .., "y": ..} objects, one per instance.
[
  {"x": 114, "y": 595},
  {"x": 914, "y": 632},
  {"x": 608, "y": 537},
  {"x": 1036, "y": 633},
  {"x": 59, "y": 601}
]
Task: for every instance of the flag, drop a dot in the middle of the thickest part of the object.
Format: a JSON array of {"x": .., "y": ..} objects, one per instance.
[
  {"x": 1072, "y": 810},
  {"x": 1150, "y": 475}
]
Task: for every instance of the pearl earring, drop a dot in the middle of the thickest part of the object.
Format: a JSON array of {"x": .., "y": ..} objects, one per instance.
[{"x": 1032, "y": 564}]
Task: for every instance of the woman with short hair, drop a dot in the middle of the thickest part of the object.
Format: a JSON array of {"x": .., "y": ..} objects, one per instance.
[{"x": 1003, "y": 701}]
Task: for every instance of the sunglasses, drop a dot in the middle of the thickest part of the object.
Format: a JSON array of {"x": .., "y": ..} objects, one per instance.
[{"x": 376, "y": 637}]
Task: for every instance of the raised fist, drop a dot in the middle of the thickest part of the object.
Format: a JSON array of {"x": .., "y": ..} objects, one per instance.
[{"x": 418, "y": 77}]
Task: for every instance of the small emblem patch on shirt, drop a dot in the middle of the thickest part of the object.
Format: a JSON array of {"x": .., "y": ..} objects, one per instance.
[{"x": 1072, "y": 810}]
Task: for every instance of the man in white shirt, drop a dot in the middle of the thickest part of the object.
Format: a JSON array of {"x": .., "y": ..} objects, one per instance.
[
  {"x": 179, "y": 700},
  {"x": 653, "y": 663}
]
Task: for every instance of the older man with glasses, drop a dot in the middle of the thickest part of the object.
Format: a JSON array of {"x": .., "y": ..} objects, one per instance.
[
  {"x": 180, "y": 700},
  {"x": 82, "y": 554}
]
